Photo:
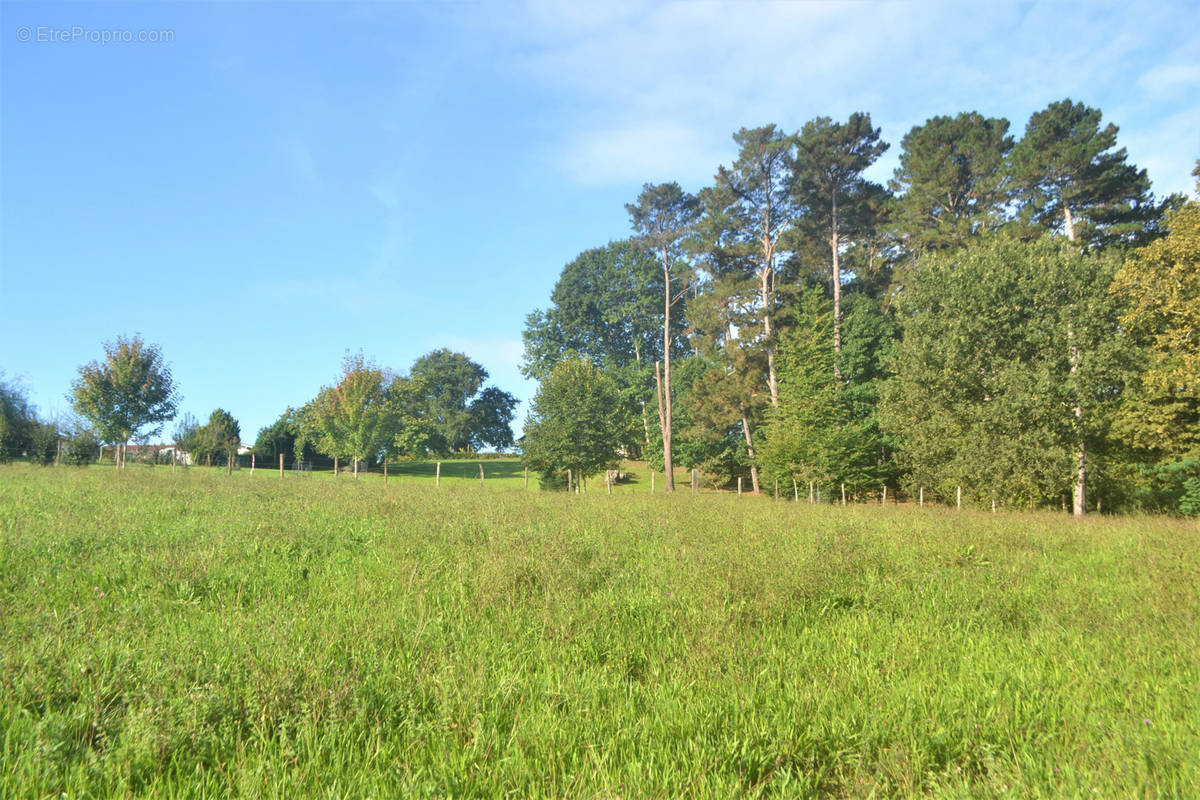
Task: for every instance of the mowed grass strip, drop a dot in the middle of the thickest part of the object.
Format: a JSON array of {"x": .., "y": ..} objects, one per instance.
[{"x": 187, "y": 635}]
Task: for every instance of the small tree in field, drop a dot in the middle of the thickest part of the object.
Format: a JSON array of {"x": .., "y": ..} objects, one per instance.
[
  {"x": 573, "y": 422},
  {"x": 130, "y": 393}
]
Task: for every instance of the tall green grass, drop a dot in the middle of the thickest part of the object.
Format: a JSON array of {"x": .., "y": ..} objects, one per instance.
[{"x": 188, "y": 635}]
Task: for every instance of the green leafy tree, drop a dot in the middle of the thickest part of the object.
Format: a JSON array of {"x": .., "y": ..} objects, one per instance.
[
  {"x": 43, "y": 444},
  {"x": 1008, "y": 371},
  {"x": 279, "y": 438},
  {"x": 222, "y": 435},
  {"x": 662, "y": 218},
  {"x": 1160, "y": 419},
  {"x": 17, "y": 420},
  {"x": 824, "y": 431},
  {"x": 570, "y": 424},
  {"x": 464, "y": 419},
  {"x": 1069, "y": 178},
  {"x": 187, "y": 437},
  {"x": 607, "y": 307},
  {"x": 130, "y": 394},
  {"x": 82, "y": 449},
  {"x": 837, "y": 201},
  {"x": 952, "y": 181},
  {"x": 354, "y": 417},
  {"x": 727, "y": 401}
]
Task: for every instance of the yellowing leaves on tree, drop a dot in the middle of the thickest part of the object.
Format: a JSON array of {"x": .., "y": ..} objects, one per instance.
[{"x": 1161, "y": 282}]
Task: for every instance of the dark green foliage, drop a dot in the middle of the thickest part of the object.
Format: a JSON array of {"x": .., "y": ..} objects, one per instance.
[
  {"x": 952, "y": 181},
  {"x": 571, "y": 423},
  {"x": 830, "y": 191},
  {"x": 1068, "y": 177},
  {"x": 825, "y": 430},
  {"x": 213, "y": 442},
  {"x": 280, "y": 438},
  {"x": 43, "y": 443},
  {"x": 463, "y": 418},
  {"x": 131, "y": 393},
  {"x": 985, "y": 388},
  {"x": 17, "y": 420},
  {"x": 82, "y": 449},
  {"x": 606, "y": 307}
]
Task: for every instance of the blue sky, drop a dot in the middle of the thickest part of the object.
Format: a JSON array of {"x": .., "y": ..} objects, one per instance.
[{"x": 270, "y": 185}]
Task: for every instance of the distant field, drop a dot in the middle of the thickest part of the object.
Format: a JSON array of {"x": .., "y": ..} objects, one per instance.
[
  {"x": 499, "y": 473},
  {"x": 187, "y": 635}
]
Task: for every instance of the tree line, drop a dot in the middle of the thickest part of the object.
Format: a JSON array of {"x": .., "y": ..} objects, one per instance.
[
  {"x": 1018, "y": 317},
  {"x": 369, "y": 415}
]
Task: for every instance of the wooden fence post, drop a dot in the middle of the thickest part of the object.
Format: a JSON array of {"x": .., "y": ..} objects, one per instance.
[
  {"x": 651, "y": 481},
  {"x": 922, "y": 497},
  {"x": 385, "y": 471},
  {"x": 480, "y": 474},
  {"x": 843, "y": 494},
  {"x": 281, "y": 466},
  {"x": 608, "y": 481},
  {"x": 569, "y": 477},
  {"x": 795, "y": 490},
  {"x": 810, "y": 493},
  {"x": 335, "y": 466},
  {"x": 252, "y": 465},
  {"x": 437, "y": 480},
  {"x": 959, "y": 498},
  {"x": 739, "y": 485},
  {"x": 777, "y": 488},
  {"x": 884, "y": 494}
]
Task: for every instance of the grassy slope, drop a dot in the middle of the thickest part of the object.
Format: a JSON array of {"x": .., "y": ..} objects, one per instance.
[
  {"x": 499, "y": 473},
  {"x": 189, "y": 635}
]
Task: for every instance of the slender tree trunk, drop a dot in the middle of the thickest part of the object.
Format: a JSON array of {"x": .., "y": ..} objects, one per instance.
[
  {"x": 767, "y": 297},
  {"x": 1070, "y": 222},
  {"x": 837, "y": 296},
  {"x": 665, "y": 396},
  {"x": 750, "y": 452},
  {"x": 1080, "y": 493},
  {"x": 664, "y": 426}
]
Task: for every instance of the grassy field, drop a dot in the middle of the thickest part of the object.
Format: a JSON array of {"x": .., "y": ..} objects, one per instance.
[
  {"x": 188, "y": 635},
  {"x": 499, "y": 473}
]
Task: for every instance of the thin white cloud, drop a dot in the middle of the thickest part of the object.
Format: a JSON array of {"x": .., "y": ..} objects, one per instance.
[{"x": 647, "y": 91}]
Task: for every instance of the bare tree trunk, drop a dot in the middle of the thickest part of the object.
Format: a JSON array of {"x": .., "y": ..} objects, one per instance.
[
  {"x": 1080, "y": 493},
  {"x": 1070, "y": 222},
  {"x": 664, "y": 427},
  {"x": 750, "y": 452},
  {"x": 767, "y": 297},
  {"x": 664, "y": 394},
  {"x": 837, "y": 295}
]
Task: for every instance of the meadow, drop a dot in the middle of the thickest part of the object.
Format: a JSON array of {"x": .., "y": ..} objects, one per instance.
[{"x": 191, "y": 635}]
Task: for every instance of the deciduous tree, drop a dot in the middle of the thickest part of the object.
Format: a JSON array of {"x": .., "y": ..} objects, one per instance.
[
  {"x": 130, "y": 394},
  {"x": 1009, "y": 369},
  {"x": 570, "y": 424}
]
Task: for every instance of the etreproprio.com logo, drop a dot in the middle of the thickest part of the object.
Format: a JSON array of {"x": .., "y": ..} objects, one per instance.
[{"x": 49, "y": 34}]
